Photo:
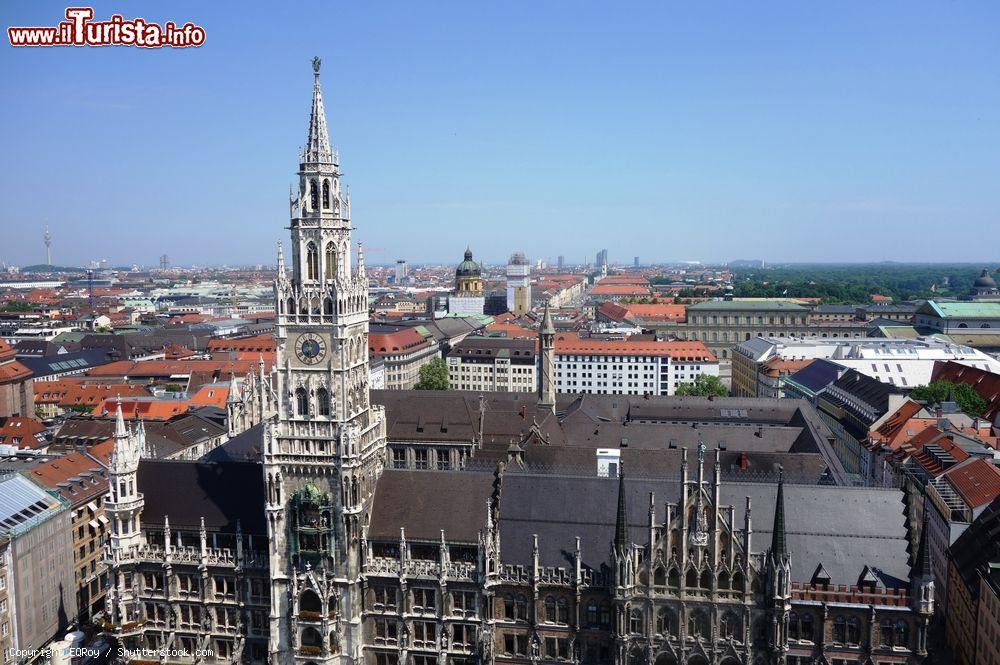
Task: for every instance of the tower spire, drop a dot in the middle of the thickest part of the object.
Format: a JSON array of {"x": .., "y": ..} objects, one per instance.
[
  {"x": 621, "y": 522},
  {"x": 317, "y": 148},
  {"x": 779, "y": 545}
]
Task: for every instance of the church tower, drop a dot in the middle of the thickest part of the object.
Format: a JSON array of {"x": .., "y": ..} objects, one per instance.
[{"x": 324, "y": 448}]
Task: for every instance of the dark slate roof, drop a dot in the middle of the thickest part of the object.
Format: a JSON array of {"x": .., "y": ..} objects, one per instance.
[
  {"x": 842, "y": 529},
  {"x": 78, "y": 361},
  {"x": 817, "y": 375},
  {"x": 425, "y": 502},
  {"x": 222, "y": 493},
  {"x": 808, "y": 468},
  {"x": 868, "y": 390},
  {"x": 452, "y": 415},
  {"x": 244, "y": 447}
]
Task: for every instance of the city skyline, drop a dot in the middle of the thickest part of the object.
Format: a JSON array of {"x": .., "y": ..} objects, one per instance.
[{"x": 801, "y": 151}]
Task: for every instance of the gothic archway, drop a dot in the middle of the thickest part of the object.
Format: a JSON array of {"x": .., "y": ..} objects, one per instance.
[
  {"x": 697, "y": 659},
  {"x": 665, "y": 659}
]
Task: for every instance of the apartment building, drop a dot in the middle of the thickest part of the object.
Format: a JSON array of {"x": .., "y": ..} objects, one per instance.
[
  {"x": 38, "y": 561},
  {"x": 81, "y": 479},
  {"x": 404, "y": 350},
  {"x": 486, "y": 364},
  {"x": 627, "y": 367}
]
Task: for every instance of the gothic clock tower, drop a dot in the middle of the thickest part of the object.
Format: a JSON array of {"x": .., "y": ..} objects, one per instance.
[{"x": 325, "y": 446}]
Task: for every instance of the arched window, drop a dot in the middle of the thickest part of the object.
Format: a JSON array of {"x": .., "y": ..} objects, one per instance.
[
  {"x": 886, "y": 633},
  {"x": 691, "y": 579},
  {"x": 508, "y": 607},
  {"x": 328, "y": 306},
  {"x": 698, "y": 625},
  {"x": 723, "y": 580},
  {"x": 323, "y": 401},
  {"x": 326, "y": 194},
  {"x": 331, "y": 260},
  {"x": 659, "y": 576},
  {"x": 666, "y": 624},
  {"x": 562, "y": 607},
  {"x": 521, "y": 608},
  {"x": 793, "y": 626},
  {"x": 550, "y": 609},
  {"x": 311, "y": 638},
  {"x": 807, "y": 627},
  {"x": 963, "y": 325},
  {"x": 706, "y": 579},
  {"x": 839, "y": 629},
  {"x": 853, "y": 631},
  {"x": 290, "y": 308},
  {"x": 675, "y": 578},
  {"x": 301, "y": 402},
  {"x": 334, "y": 643},
  {"x": 592, "y": 614},
  {"x": 313, "y": 195},
  {"x": 635, "y": 622},
  {"x": 309, "y": 602},
  {"x": 729, "y": 626},
  {"x": 902, "y": 633},
  {"x": 312, "y": 262},
  {"x": 605, "y": 616}
]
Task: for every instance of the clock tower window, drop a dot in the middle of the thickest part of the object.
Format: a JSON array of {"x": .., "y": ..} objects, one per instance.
[
  {"x": 326, "y": 194},
  {"x": 323, "y": 401},
  {"x": 312, "y": 262},
  {"x": 331, "y": 260},
  {"x": 301, "y": 402},
  {"x": 313, "y": 195}
]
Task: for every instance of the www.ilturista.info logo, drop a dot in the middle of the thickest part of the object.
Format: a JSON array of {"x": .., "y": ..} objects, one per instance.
[{"x": 80, "y": 30}]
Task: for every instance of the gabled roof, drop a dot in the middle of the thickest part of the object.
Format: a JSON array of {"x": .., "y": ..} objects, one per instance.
[{"x": 977, "y": 482}]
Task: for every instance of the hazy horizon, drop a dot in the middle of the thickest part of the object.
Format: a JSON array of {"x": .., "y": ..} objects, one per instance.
[{"x": 790, "y": 133}]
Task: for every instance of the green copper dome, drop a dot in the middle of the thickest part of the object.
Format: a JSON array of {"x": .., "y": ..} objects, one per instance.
[{"x": 468, "y": 267}]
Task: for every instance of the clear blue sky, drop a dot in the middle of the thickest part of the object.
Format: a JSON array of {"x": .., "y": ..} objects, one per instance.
[{"x": 790, "y": 131}]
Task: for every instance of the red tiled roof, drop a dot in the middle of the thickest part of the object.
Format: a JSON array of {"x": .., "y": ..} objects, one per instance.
[
  {"x": 22, "y": 431},
  {"x": 66, "y": 394},
  {"x": 687, "y": 351},
  {"x": 779, "y": 366},
  {"x": 404, "y": 339},
  {"x": 620, "y": 290},
  {"x": 260, "y": 343},
  {"x": 76, "y": 476},
  {"x": 977, "y": 482},
  {"x": 168, "y": 368},
  {"x": 143, "y": 409}
]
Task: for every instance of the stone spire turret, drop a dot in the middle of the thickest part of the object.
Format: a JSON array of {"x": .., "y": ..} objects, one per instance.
[
  {"x": 317, "y": 148},
  {"x": 621, "y": 519},
  {"x": 547, "y": 361}
]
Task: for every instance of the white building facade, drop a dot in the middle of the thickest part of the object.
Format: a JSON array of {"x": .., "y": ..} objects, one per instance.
[{"x": 623, "y": 367}]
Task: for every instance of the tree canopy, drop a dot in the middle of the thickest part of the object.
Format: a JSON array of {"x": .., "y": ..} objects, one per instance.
[
  {"x": 433, "y": 376},
  {"x": 704, "y": 385},
  {"x": 968, "y": 400}
]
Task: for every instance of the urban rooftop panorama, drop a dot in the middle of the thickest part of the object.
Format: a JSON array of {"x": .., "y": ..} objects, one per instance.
[{"x": 661, "y": 336}]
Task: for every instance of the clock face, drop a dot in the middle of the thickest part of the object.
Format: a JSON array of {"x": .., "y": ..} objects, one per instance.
[{"x": 310, "y": 348}]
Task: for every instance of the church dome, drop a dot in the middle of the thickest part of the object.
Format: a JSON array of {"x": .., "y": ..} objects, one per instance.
[
  {"x": 984, "y": 281},
  {"x": 468, "y": 267}
]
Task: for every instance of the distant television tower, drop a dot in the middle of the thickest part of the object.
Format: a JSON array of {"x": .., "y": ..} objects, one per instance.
[
  {"x": 164, "y": 261},
  {"x": 48, "y": 246}
]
